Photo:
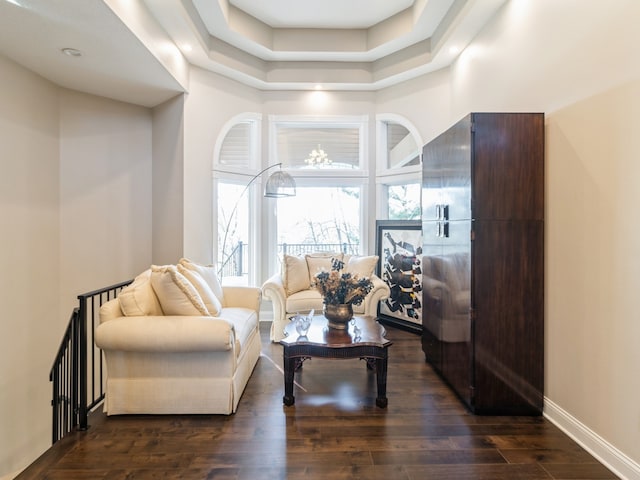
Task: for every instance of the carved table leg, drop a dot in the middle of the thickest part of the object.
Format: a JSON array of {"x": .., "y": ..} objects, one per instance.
[
  {"x": 381, "y": 377},
  {"x": 289, "y": 371},
  {"x": 371, "y": 363}
]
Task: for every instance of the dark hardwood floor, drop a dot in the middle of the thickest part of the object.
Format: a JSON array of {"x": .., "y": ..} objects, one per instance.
[{"x": 334, "y": 431}]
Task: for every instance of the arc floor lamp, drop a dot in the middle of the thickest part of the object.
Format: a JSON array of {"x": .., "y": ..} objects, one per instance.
[{"x": 279, "y": 184}]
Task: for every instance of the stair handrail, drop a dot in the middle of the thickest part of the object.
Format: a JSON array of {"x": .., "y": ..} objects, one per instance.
[{"x": 69, "y": 373}]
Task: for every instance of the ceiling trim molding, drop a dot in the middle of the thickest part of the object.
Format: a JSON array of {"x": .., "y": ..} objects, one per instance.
[{"x": 410, "y": 43}]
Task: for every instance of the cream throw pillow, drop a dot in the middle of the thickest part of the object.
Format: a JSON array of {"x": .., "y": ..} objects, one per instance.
[
  {"x": 208, "y": 297},
  {"x": 209, "y": 274},
  {"x": 320, "y": 262},
  {"x": 176, "y": 294},
  {"x": 362, "y": 266},
  {"x": 295, "y": 274},
  {"x": 138, "y": 298}
]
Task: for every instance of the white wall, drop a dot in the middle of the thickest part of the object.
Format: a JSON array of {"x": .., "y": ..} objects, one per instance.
[
  {"x": 105, "y": 193},
  {"x": 593, "y": 265},
  {"x": 30, "y": 267},
  {"x": 75, "y": 215},
  {"x": 168, "y": 181},
  {"x": 424, "y": 101}
]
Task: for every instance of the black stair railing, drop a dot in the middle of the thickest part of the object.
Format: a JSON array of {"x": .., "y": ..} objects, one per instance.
[{"x": 77, "y": 371}]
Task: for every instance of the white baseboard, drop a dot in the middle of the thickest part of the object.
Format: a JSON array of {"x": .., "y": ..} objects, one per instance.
[{"x": 603, "y": 451}]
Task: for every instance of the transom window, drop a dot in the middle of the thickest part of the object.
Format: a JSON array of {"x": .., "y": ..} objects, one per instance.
[{"x": 329, "y": 144}]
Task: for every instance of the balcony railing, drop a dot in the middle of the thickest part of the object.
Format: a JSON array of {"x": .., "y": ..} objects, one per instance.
[{"x": 237, "y": 263}]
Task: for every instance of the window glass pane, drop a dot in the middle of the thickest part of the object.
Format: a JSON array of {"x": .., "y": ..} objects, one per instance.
[
  {"x": 341, "y": 145},
  {"x": 233, "y": 233},
  {"x": 404, "y": 202},
  {"x": 402, "y": 150},
  {"x": 236, "y": 146},
  {"x": 320, "y": 219}
]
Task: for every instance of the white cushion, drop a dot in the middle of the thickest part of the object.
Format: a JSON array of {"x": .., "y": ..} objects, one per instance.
[
  {"x": 362, "y": 266},
  {"x": 164, "y": 334},
  {"x": 208, "y": 297},
  {"x": 209, "y": 274},
  {"x": 138, "y": 298},
  {"x": 304, "y": 301},
  {"x": 244, "y": 322},
  {"x": 295, "y": 274},
  {"x": 176, "y": 294},
  {"x": 320, "y": 262}
]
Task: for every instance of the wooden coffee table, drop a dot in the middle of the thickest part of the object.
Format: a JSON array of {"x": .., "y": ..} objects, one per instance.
[{"x": 363, "y": 339}]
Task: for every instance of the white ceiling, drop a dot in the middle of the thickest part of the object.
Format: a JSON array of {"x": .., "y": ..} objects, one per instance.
[
  {"x": 321, "y": 14},
  {"x": 138, "y": 51}
]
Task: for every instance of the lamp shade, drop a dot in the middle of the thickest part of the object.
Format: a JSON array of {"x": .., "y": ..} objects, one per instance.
[{"x": 280, "y": 184}]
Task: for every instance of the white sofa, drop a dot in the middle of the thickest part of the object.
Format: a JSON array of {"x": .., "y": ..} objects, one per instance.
[
  {"x": 291, "y": 291},
  {"x": 175, "y": 341}
]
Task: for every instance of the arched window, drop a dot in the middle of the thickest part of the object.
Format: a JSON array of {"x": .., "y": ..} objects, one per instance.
[
  {"x": 398, "y": 172},
  {"x": 236, "y": 162}
]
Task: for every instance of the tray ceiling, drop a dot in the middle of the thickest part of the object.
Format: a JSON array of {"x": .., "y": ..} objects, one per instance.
[{"x": 139, "y": 50}]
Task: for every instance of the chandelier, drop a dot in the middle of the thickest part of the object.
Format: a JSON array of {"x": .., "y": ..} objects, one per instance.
[{"x": 318, "y": 158}]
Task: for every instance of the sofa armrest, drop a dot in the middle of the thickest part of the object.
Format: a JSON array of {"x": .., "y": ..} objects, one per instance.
[
  {"x": 273, "y": 289},
  {"x": 274, "y": 286},
  {"x": 165, "y": 334},
  {"x": 244, "y": 297},
  {"x": 379, "y": 292},
  {"x": 110, "y": 310}
]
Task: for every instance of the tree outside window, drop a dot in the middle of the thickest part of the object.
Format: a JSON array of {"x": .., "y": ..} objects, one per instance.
[
  {"x": 404, "y": 201},
  {"x": 320, "y": 218}
]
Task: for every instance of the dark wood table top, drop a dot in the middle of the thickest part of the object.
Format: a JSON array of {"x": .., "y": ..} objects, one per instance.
[{"x": 361, "y": 331}]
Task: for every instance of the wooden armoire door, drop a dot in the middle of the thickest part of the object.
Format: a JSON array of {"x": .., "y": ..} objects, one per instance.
[
  {"x": 485, "y": 264},
  {"x": 446, "y": 253}
]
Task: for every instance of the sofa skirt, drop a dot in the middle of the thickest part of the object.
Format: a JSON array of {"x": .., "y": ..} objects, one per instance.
[{"x": 179, "y": 382}]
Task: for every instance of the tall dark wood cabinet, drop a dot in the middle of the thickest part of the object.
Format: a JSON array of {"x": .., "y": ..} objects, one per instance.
[{"x": 483, "y": 260}]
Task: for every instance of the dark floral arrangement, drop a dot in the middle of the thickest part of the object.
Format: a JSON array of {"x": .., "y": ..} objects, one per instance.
[{"x": 337, "y": 288}]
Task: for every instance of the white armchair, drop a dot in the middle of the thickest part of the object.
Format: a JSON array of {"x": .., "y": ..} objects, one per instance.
[{"x": 290, "y": 292}]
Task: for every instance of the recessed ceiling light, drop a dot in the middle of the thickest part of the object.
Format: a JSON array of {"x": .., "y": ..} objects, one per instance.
[{"x": 72, "y": 52}]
